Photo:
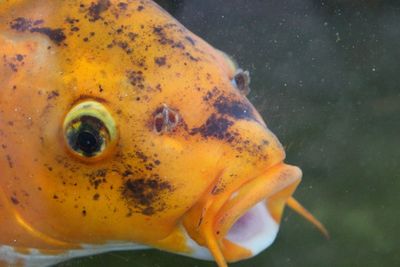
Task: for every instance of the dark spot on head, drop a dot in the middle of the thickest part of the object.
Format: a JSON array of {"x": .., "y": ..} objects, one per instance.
[
  {"x": 10, "y": 161},
  {"x": 53, "y": 94},
  {"x": 132, "y": 36},
  {"x": 123, "y": 45},
  {"x": 19, "y": 57},
  {"x": 97, "y": 177},
  {"x": 96, "y": 9},
  {"x": 215, "y": 126},
  {"x": 163, "y": 39},
  {"x": 21, "y": 24},
  {"x": 56, "y": 35},
  {"x": 96, "y": 196},
  {"x": 146, "y": 194},
  {"x": 136, "y": 78},
  {"x": 122, "y": 5},
  {"x": 190, "y": 39},
  {"x": 191, "y": 57},
  {"x": 55, "y": 197},
  {"x": 234, "y": 108},
  {"x": 211, "y": 94},
  {"x": 14, "y": 200},
  {"x": 140, "y": 8},
  {"x": 160, "y": 61},
  {"x": 83, "y": 212},
  {"x": 140, "y": 155}
]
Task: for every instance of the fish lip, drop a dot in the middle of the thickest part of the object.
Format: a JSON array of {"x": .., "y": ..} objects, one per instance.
[{"x": 249, "y": 199}]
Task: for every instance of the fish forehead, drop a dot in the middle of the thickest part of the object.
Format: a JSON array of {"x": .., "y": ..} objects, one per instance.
[{"x": 119, "y": 52}]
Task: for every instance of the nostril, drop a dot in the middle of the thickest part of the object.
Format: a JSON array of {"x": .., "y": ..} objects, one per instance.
[
  {"x": 165, "y": 119},
  {"x": 158, "y": 124}
]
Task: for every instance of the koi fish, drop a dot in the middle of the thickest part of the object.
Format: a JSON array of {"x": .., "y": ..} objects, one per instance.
[{"x": 121, "y": 129}]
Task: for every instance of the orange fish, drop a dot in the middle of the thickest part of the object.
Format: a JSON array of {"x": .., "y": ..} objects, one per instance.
[{"x": 120, "y": 129}]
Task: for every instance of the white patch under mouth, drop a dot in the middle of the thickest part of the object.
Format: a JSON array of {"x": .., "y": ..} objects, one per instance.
[{"x": 255, "y": 230}]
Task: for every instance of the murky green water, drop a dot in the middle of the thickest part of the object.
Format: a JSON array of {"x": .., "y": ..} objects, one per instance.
[{"x": 326, "y": 78}]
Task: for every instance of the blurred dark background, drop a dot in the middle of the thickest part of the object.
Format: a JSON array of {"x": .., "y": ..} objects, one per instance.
[{"x": 326, "y": 78}]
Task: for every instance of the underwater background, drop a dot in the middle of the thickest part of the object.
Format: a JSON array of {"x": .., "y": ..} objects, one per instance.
[{"x": 326, "y": 78}]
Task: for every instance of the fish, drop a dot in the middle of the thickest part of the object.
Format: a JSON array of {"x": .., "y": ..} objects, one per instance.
[{"x": 120, "y": 129}]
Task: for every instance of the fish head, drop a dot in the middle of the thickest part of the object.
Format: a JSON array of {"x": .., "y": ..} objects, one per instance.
[{"x": 118, "y": 124}]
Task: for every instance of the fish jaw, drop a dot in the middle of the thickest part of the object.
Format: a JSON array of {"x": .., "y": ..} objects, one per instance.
[{"x": 248, "y": 220}]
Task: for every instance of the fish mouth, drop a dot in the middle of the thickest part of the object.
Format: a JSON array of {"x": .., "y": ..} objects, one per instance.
[{"x": 248, "y": 220}]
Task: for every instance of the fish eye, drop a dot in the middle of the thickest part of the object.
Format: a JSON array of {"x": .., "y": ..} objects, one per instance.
[
  {"x": 89, "y": 130},
  {"x": 241, "y": 81}
]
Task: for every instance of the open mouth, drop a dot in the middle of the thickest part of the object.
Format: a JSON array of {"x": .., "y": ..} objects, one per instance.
[
  {"x": 239, "y": 225},
  {"x": 248, "y": 221},
  {"x": 255, "y": 230}
]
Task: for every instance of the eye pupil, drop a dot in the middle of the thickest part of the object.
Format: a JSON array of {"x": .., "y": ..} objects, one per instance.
[{"x": 87, "y": 142}]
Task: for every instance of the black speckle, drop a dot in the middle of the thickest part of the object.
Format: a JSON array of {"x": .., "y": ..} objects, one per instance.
[
  {"x": 136, "y": 78},
  {"x": 122, "y": 5},
  {"x": 234, "y": 108},
  {"x": 56, "y": 35},
  {"x": 10, "y": 162},
  {"x": 132, "y": 36},
  {"x": 96, "y": 9},
  {"x": 141, "y": 155},
  {"x": 14, "y": 200},
  {"x": 146, "y": 195},
  {"x": 97, "y": 177},
  {"x": 124, "y": 46},
  {"x": 53, "y": 94},
  {"x": 140, "y": 8},
  {"x": 84, "y": 213},
  {"x": 191, "y": 57},
  {"x": 19, "y": 57},
  {"x": 190, "y": 39},
  {"x": 96, "y": 196},
  {"x": 215, "y": 126},
  {"x": 21, "y": 24},
  {"x": 164, "y": 40},
  {"x": 160, "y": 61}
]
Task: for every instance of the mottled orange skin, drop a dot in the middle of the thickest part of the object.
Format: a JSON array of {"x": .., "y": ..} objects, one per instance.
[{"x": 133, "y": 58}]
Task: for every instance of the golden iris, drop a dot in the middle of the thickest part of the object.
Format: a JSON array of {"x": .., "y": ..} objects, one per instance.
[{"x": 89, "y": 130}]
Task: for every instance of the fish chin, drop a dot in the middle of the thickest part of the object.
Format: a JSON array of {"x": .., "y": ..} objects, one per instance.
[{"x": 255, "y": 230}]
